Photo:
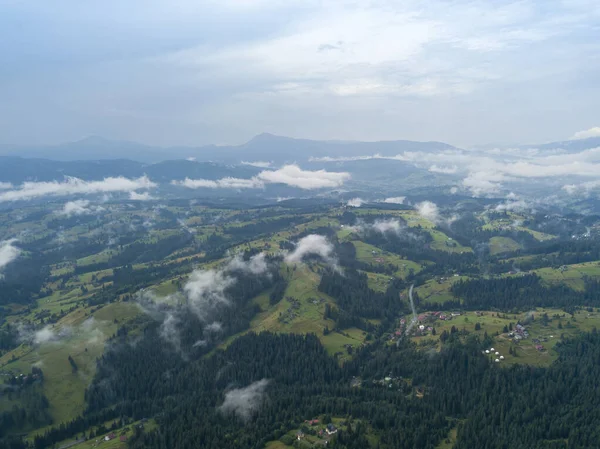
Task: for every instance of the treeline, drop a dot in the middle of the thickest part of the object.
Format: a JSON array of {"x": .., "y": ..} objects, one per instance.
[
  {"x": 261, "y": 227},
  {"x": 29, "y": 411},
  {"x": 522, "y": 292},
  {"x": 356, "y": 301},
  {"x": 494, "y": 408},
  {"x": 304, "y": 382}
]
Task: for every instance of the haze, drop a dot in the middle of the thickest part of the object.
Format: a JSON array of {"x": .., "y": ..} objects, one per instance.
[{"x": 197, "y": 72}]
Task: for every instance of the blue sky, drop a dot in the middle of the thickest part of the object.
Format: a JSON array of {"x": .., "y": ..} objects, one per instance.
[{"x": 196, "y": 72}]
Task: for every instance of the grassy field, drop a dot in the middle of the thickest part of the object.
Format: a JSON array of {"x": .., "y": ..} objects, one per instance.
[
  {"x": 500, "y": 245},
  {"x": 303, "y": 314},
  {"x": 373, "y": 255},
  {"x": 81, "y": 335},
  {"x": 448, "y": 443},
  {"x": 437, "y": 290},
  {"x": 378, "y": 282},
  {"x": 570, "y": 275},
  {"x": 561, "y": 325},
  {"x": 311, "y": 438},
  {"x": 116, "y": 443},
  {"x": 513, "y": 222},
  {"x": 442, "y": 242}
]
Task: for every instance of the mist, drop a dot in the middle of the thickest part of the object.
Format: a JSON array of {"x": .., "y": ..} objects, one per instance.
[
  {"x": 312, "y": 245},
  {"x": 245, "y": 402}
]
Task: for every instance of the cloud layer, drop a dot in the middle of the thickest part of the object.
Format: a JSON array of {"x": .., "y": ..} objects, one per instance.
[
  {"x": 8, "y": 252},
  {"x": 311, "y": 245},
  {"x": 245, "y": 402},
  {"x": 291, "y": 175},
  {"x": 75, "y": 186},
  {"x": 79, "y": 207}
]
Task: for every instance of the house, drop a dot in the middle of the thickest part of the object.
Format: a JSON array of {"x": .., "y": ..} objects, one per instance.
[
  {"x": 110, "y": 436},
  {"x": 312, "y": 422},
  {"x": 300, "y": 435},
  {"x": 331, "y": 429},
  {"x": 539, "y": 347},
  {"x": 123, "y": 438}
]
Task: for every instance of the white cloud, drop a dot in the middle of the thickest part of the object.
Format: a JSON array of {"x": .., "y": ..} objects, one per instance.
[
  {"x": 144, "y": 196},
  {"x": 205, "y": 291},
  {"x": 291, "y": 175},
  {"x": 44, "y": 335},
  {"x": 259, "y": 164},
  {"x": 390, "y": 225},
  {"x": 355, "y": 202},
  {"x": 483, "y": 183},
  {"x": 79, "y": 207},
  {"x": 395, "y": 200},
  {"x": 48, "y": 335},
  {"x": 223, "y": 183},
  {"x": 8, "y": 252},
  {"x": 345, "y": 158},
  {"x": 312, "y": 244},
  {"x": 446, "y": 170},
  {"x": 244, "y": 402},
  {"x": 256, "y": 265},
  {"x": 75, "y": 186},
  {"x": 5, "y": 185},
  {"x": 587, "y": 133},
  {"x": 513, "y": 203},
  {"x": 429, "y": 211},
  {"x": 294, "y": 176},
  {"x": 169, "y": 330},
  {"x": 582, "y": 189}
]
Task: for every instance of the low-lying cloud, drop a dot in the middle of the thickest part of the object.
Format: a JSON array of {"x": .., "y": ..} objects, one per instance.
[
  {"x": 255, "y": 265},
  {"x": 291, "y": 175},
  {"x": 395, "y": 200},
  {"x": 79, "y": 207},
  {"x": 223, "y": 183},
  {"x": 294, "y": 176},
  {"x": 205, "y": 291},
  {"x": 384, "y": 226},
  {"x": 446, "y": 170},
  {"x": 355, "y": 202},
  {"x": 258, "y": 164},
  {"x": 144, "y": 196},
  {"x": 311, "y": 245},
  {"x": 244, "y": 402},
  {"x": 581, "y": 189},
  {"x": 75, "y": 186},
  {"x": 513, "y": 203},
  {"x": 8, "y": 252},
  {"x": 5, "y": 185},
  {"x": 429, "y": 211},
  {"x": 587, "y": 133}
]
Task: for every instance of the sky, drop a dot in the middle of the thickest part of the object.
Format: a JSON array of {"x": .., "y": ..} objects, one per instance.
[{"x": 193, "y": 72}]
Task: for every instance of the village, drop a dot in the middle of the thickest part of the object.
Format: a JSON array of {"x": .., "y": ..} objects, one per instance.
[
  {"x": 315, "y": 432},
  {"x": 435, "y": 324}
]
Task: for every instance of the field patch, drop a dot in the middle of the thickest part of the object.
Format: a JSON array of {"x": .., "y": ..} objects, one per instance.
[
  {"x": 436, "y": 291},
  {"x": 373, "y": 255},
  {"x": 441, "y": 242},
  {"x": 81, "y": 335},
  {"x": 500, "y": 245},
  {"x": 537, "y": 348}
]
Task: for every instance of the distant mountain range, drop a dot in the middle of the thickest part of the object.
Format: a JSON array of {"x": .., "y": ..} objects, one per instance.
[
  {"x": 264, "y": 147},
  {"x": 17, "y": 170}
]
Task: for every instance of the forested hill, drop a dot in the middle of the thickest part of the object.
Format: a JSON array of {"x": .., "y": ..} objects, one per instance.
[
  {"x": 298, "y": 324},
  {"x": 492, "y": 408}
]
